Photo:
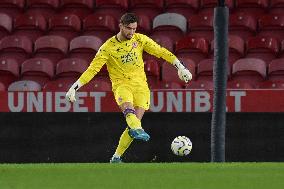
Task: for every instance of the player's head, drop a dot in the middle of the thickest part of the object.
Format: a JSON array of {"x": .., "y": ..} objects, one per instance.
[{"x": 128, "y": 25}]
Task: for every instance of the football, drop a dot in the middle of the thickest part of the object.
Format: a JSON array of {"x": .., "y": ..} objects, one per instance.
[{"x": 181, "y": 146}]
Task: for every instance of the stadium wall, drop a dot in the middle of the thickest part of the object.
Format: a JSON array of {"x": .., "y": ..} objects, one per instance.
[{"x": 92, "y": 137}]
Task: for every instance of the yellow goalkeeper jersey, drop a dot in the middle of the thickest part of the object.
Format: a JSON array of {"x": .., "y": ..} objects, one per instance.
[{"x": 124, "y": 59}]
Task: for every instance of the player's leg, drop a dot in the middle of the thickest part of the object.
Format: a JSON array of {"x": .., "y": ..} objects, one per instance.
[
  {"x": 141, "y": 102},
  {"x": 124, "y": 99}
]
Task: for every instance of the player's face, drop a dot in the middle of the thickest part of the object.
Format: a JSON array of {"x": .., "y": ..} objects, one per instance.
[{"x": 128, "y": 31}]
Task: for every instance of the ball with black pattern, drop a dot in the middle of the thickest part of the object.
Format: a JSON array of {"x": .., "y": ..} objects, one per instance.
[{"x": 181, "y": 146}]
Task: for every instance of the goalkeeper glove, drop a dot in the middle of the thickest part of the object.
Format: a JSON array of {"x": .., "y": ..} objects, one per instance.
[
  {"x": 183, "y": 73},
  {"x": 70, "y": 95}
]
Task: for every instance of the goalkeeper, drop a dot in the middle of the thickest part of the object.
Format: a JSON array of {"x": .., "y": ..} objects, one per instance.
[{"x": 122, "y": 55}]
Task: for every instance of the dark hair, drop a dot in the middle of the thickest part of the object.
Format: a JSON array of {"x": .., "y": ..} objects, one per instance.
[{"x": 128, "y": 18}]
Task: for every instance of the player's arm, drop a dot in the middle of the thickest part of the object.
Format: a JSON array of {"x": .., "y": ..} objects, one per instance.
[
  {"x": 95, "y": 66},
  {"x": 151, "y": 47}
]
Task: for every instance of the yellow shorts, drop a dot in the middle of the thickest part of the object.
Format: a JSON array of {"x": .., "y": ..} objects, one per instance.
[{"x": 139, "y": 95}]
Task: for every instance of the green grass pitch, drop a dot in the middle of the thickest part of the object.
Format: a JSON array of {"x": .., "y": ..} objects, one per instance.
[{"x": 142, "y": 176}]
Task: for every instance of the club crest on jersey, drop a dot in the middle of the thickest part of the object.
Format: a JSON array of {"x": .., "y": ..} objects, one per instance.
[{"x": 134, "y": 44}]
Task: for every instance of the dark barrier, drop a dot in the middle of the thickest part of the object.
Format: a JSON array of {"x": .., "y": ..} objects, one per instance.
[{"x": 92, "y": 137}]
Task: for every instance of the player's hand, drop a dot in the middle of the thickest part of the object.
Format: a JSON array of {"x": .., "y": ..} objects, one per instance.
[
  {"x": 70, "y": 95},
  {"x": 184, "y": 74}
]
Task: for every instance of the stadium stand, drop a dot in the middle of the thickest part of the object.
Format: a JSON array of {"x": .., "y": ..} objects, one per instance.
[
  {"x": 31, "y": 26},
  {"x": 51, "y": 47},
  {"x": 242, "y": 24},
  {"x": 276, "y": 7},
  {"x": 12, "y": 8},
  {"x": 24, "y": 85},
  {"x": 116, "y": 8},
  {"x": 192, "y": 47},
  {"x": 272, "y": 25},
  {"x": 81, "y": 8},
  {"x": 17, "y": 47},
  {"x": 84, "y": 47},
  {"x": 236, "y": 48},
  {"x": 207, "y": 6},
  {"x": 9, "y": 71},
  {"x": 169, "y": 72},
  {"x": 151, "y": 8},
  {"x": 200, "y": 84},
  {"x": 2, "y": 86},
  {"x": 183, "y": 7},
  {"x": 236, "y": 84},
  {"x": 101, "y": 25},
  {"x": 271, "y": 85},
  {"x": 70, "y": 67},
  {"x": 201, "y": 25},
  {"x": 39, "y": 70},
  {"x": 67, "y": 26},
  {"x": 6, "y": 25},
  {"x": 250, "y": 70},
  {"x": 255, "y": 7},
  {"x": 46, "y": 8},
  {"x": 276, "y": 70},
  {"x": 170, "y": 24},
  {"x": 265, "y": 48}
]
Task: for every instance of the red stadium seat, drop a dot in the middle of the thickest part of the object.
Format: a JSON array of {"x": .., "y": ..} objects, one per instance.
[
  {"x": 12, "y": 8},
  {"x": 236, "y": 48},
  {"x": 150, "y": 8},
  {"x": 17, "y": 47},
  {"x": 62, "y": 84},
  {"x": 40, "y": 70},
  {"x": 152, "y": 70},
  {"x": 46, "y": 8},
  {"x": 183, "y": 7},
  {"x": 207, "y": 6},
  {"x": 205, "y": 70},
  {"x": 51, "y": 47},
  {"x": 71, "y": 67},
  {"x": 115, "y": 8},
  {"x": 6, "y": 25},
  {"x": 242, "y": 24},
  {"x": 200, "y": 84},
  {"x": 201, "y": 25},
  {"x": 67, "y": 26},
  {"x": 97, "y": 85},
  {"x": 272, "y": 26},
  {"x": 281, "y": 53},
  {"x": 170, "y": 24},
  {"x": 256, "y": 7},
  {"x": 144, "y": 24},
  {"x": 84, "y": 47},
  {"x": 24, "y": 85},
  {"x": 31, "y": 26},
  {"x": 194, "y": 48},
  {"x": 103, "y": 26},
  {"x": 169, "y": 72},
  {"x": 81, "y": 8},
  {"x": 2, "y": 86},
  {"x": 276, "y": 7},
  {"x": 235, "y": 84},
  {"x": 251, "y": 70},
  {"x": 271, "y": 85},
  {"x": 265, "y": 48},
  {"x": 9, "y": 71},
  {"x": 276, "y": 70}
]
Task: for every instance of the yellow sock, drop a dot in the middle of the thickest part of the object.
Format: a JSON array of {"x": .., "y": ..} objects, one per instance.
[
  {"x": 124, "y": 142},
  {"x": 132, "y": 121}
]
